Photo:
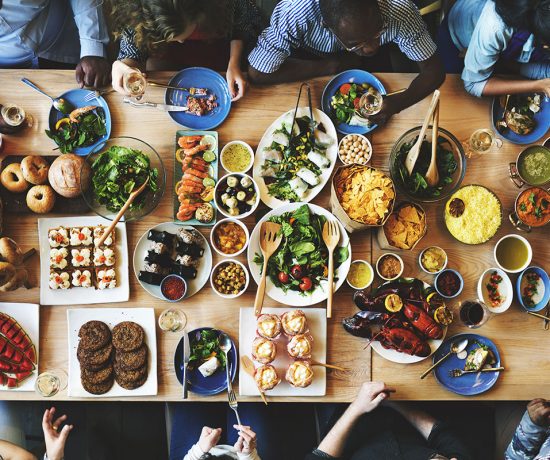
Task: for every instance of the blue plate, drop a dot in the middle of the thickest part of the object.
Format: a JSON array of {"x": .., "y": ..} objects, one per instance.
[
  {"x": 76, "y": 98},
  {"x": 542, "y": 118},
  {"x": 546, "y": 282},
  {"x": 205, "y": 386},
  {"x": 199, "y": 77},
  {"x": 349, "y": 76},
  {"x": 469, "y": 384}
]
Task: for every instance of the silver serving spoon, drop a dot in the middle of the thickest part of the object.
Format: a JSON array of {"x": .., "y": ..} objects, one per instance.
[
  {"x": 456, "y": 347},
  {"x": 59, "y": 103},
  {"x": 501, "y": 124}
]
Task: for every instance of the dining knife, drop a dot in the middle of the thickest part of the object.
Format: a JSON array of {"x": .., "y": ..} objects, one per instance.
[
  {"x": 162, "y": 107},
  {"x": 185, "y": 359}
]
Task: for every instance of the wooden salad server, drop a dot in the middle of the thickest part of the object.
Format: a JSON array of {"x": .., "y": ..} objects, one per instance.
[
  {"x": 270, "y": 239},
  {"x": 432, "y": 174},
  {"x": 412, "y": 156},
  {"x": 250, "y": 369},
  {"x": 329, "y": 366},
  {"x": 331, "y": 237},
  {"x": 120, "y": 213}
]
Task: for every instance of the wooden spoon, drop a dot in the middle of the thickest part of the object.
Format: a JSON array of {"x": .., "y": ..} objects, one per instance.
[
  {"x": 330, "y": 366},
  {"x": 270, "y": 238},
  {"x": 331, "y": 237},
  {"x": 412, "y": 156},
  {"x": 120, "y": 213},
  {"x": 250, "y": 369},
  {"x": 432, "y": 174}
]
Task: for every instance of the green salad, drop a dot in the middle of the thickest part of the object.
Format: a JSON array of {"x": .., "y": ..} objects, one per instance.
[
  {"x": 117, "y": 172},
  {"x": 346, "y": 101},
  {"x": 204, "y": 346},
  {"x": 301, "y": 261},
  {"x": 415, "y": 184}
]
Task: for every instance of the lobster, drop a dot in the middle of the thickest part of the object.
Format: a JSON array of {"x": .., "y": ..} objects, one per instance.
[
  {"x": 403, "y": 340},
  {"x": 422, "y": 321}
]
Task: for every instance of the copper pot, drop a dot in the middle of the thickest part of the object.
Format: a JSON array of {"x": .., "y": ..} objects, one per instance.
[{"x": 514, "y": 216}]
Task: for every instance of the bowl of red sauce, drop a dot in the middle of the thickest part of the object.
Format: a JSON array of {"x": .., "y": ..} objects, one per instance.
[
  {"x": 449, "y": 283},
  {"x": 173, "y": 288}
]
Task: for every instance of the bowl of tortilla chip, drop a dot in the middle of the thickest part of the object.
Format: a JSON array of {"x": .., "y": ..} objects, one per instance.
[{"x": 405, "y": 227}]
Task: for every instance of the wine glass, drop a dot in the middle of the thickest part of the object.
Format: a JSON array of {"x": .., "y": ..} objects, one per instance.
[
  {"x": 50, "y": 383},
  {"x": 481, "y": 141},
  {"x": 473, "y": 313},
  {"x": 172, "y": 320}
]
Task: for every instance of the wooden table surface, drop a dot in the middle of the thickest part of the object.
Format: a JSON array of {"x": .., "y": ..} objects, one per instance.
[{"x": 519, "y": 337}]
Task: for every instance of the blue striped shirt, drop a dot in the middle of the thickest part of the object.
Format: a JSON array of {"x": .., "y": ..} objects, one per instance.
[{"x": 298, "y": 24}]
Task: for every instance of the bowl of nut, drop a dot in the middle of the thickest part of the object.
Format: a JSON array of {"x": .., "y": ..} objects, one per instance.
[
  {"x": 354, "y": 149},
  {"x": 229, "y": 279}
]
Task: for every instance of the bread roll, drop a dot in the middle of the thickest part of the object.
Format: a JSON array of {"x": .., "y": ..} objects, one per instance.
[{"x": 67, "y": 172}]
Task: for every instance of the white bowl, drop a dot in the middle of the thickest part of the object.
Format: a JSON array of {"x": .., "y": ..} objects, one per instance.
[
  {"x": 244, "y": 144},
  {"x": 438, "y": 271},
  {"x": 360, "y": 261},
  {"x": 235, "y": 221},
  {"x": 361, "y": 137},
  {"x": 219, "y": 204},
  {"x": 400, "y": 262},
  {"x": 224, "y": 262},
  {"x": 529, "y": 253},
  {"x": 505, "y": 288}
]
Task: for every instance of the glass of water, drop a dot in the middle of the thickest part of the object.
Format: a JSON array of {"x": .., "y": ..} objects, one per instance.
[
  {"x": 50, "y": 383},
  {"x": 172, "y": 320}
]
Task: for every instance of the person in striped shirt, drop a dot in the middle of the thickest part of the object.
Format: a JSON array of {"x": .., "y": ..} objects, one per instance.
[{"x": 336, "y": 34}]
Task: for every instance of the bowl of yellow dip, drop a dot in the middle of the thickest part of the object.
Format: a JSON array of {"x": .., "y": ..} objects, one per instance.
[
  {"x": 237, "y": 157},
  {"x": 360, "y": 275},
  {"x": 433, "y": 260}
]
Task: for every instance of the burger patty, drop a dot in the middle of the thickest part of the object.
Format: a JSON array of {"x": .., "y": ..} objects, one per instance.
[
  {"x": 94, "y": 358},
  {"x": 131, "y": 385},
  {"x": 132, "y": 360},
  {"x": 129, "y": 376},
  {"x": 97, "y": 377},
  {"x": 99, "y": 388},
  {"x": 128, "y": 336},
  {"x": 94, "y": 335}
]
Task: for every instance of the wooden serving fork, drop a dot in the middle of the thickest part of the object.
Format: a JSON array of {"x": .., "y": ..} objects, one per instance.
[
  {"x": 270, "y": 238},
  {"x": 331, "y": 237},
  {"x": 250, "y": 369}
]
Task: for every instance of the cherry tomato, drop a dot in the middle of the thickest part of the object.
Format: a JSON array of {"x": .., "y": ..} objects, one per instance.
[
  {"x": 297, "y": 272},
  {"x": 356, "y": 102},
  {"x": 344, "y": 89},
  {"x": 305, "y": 283},
  {"x": 283, "y": 277}
]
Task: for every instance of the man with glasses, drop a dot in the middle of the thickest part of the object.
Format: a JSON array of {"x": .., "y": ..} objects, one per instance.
[{"x": 337, "y": 34}]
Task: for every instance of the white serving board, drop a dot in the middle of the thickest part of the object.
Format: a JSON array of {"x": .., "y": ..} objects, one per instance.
[
  {"x": 28, "y": 316},
  {"x": 84, "y": 296},
  {"x": 317, "y": 321},
  {"x": 145, "y": 317}
]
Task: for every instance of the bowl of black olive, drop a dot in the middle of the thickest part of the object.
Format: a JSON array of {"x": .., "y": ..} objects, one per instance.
[{"x": 236, "y": 195}]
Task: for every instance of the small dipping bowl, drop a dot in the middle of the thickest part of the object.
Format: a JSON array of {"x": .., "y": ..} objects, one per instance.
[
  {"x": 173, "y": 282},
  {"x": 365, "y": 144},
  {"x": 544, "y": 280},
  {"x": 448, "y": 273},
  {"x": 213, "y": 241},
  {"x": 231, "y": 146},
  {"x": 504, "y": 241},
  {"x": 368, "y": 267},
  {"x": 399, "y": 259},
  {"x": 424, "y": 269},
  {"x": 215, "y": 270}
]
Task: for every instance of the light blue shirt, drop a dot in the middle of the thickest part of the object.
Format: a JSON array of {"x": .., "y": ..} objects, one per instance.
[
  {"x": 530, "y": 442},
  {"x": 59, "y": 30},
  {"x": 477, "y": 29}
]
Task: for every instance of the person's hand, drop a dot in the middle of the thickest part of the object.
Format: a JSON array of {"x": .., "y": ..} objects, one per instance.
[
  {"x": 370, "y": 396},
  {"x": 539, "y": 412},
  {"x": 55, "y": 440},
  {"x": 92, "y": 71},
  {"x": 236, "y": 81},
  {"x": 389, "y": 109},
  {"x": 209, "y": 438},
  {"x": 120, "y": 69},
  {"x": 247, "y": 439}
]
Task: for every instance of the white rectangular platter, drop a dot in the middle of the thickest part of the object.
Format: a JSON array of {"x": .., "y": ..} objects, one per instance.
[
  {"x": 317, "y": 321},
  {"x": 28, "y": 316},
  {"x": 145, "y": 317},
  {"x": 85, "y": 296}
]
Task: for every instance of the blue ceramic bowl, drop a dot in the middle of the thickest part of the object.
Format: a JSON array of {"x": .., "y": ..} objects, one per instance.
[
  {"x": 162, "y": 288},
  {"x": 545, "y": 280},
  {"x": 459, "y": 278}
]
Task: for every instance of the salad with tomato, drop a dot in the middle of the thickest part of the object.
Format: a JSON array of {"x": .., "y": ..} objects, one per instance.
[
  {"x": 346, "y": 101},
  {"x": 301, "y": 261}
]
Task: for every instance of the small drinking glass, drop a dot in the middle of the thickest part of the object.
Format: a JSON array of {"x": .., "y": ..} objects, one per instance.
[
  {"x": 50, "y": 383},
  {"x": 172, "y": 320},
  {"x": 481, "y": 141},
  {"x": 134, "y": 83},
  {"x": 473, "y": 313}
]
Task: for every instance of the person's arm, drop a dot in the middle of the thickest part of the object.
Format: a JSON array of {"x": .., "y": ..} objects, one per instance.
[
  {"x": 498, "y": 86},
  {"x": 129, "y": 57},
  {"x": 208, "y": 439},
  {"x": 235, "y": 78},
  {"x": 531, "y": 432},
  {"x": 246, "y": 444},
  {"x": 93, "y": 67},
  {"x": 369, "y": 397},
  {"x": 9, "y": 451},
  {"x": 55, "y": 439}
]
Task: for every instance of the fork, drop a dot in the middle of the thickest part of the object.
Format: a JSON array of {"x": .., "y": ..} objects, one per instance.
[
  {"x": 460, "y": 372},
  {"x": 270, "y": 239},
  {"x": 233, "y": 401},
  {"x": 95, "y": 94},
  {"x": 331, "y": 236}
]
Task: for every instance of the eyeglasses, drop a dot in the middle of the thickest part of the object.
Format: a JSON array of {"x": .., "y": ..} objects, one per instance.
[{"x": 357, "y": 47}]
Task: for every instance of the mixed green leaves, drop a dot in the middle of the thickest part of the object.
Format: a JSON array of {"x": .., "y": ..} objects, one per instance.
[
  {"x": 86, "y": 131},
  {"x": 345, "y": 101},
  {"x": 204, "y": 346},
  {"x": 117, "y": 172}
]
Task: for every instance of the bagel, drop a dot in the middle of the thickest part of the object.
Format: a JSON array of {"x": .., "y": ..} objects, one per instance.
[
  {"x": 10, "y": 251},
  {"x": 41, "y": 199},
  {"x": 12, "y": 178},
  {"x": 35, "y": 169}
]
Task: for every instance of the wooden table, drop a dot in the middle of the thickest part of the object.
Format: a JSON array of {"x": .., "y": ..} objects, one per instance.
[{"x": 520, "y": 338}]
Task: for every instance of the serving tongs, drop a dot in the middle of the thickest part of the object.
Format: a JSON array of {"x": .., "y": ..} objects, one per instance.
[{"x": 312, "y": 122}]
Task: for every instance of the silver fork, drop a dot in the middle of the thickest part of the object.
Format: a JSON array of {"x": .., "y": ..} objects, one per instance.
[
  {"x": 95, "y": 94},
  {"x": 233, "y": 403},
  {"x": 460, "y": 372},
  {"x": 225, "y": 345}
]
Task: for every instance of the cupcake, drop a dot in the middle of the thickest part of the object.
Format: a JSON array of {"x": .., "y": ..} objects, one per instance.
[
  {"x": 269, "y": 326},
  {"x": 263, "y": 350},
  {"x": 266, "y": 377},
  {"x": 299, "y": 346},
  {"x": 294, "y": 322},
  {"x": 299, "y": 374}
]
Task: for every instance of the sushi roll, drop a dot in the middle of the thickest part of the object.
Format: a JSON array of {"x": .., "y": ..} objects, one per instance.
[
  {"x": 190, "y": 236},
  {"x": 161, "y": 237},
  {"x": 193, "y": 250},
  {"x": 320, "y": 160},
  {"x": 187, "y": 261},
  {"x": 160, "y": 248},
  {"x": 155, "y": 268},
  {"x": 308, "y": 176},
  {"x": 151, "y": 278},
  {"x": 82, "y": 278},
  {"x": 183, "y": 271},
  {"x": 164, "y": 260},
  {"x": 273, "y": 155},
  {"x": 298, "y": 186}
]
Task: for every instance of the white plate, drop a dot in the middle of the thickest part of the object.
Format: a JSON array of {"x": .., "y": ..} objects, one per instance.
[
  {"x": 203, "y": 270},
  {"x": 83, "y": 296},
  {"x": 294, "y": 298},
  {"x": 317, "y": 321},
  {"x": 28, "y": 316},
  {"x": 505, "y": 288},
  {"x": 145, "y": 317},
  {"x": 331, "y": 154},
  {"x": 403, "y": 358}
]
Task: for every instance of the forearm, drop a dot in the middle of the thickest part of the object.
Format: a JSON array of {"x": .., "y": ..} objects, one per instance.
[
  {"x": 497, "y": 86},
  {"x": 133, "y": 63},
  {"x": 422, "y": 421},
  {"x": 236, "y": 48},
  {"x": 335, "y": 441},
  {"x": 292, "y": 70},
  {"x": 9, "y": 451},
  {"x": 527, "y": 440}
]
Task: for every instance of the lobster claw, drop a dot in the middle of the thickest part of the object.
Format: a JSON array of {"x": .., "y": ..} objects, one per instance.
[{"x": 422, "y": 321}]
